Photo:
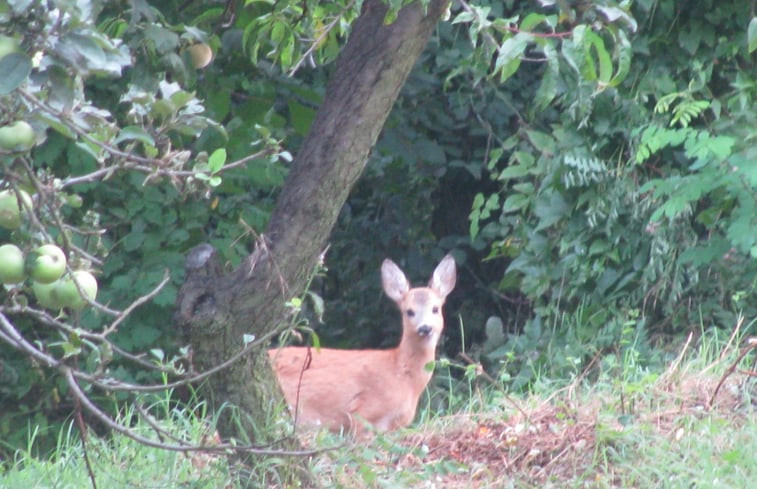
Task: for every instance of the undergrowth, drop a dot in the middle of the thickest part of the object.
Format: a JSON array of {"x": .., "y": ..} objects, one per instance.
[
  {"x": 621, "y": 423},
  {"x": 120, "y": 462}
]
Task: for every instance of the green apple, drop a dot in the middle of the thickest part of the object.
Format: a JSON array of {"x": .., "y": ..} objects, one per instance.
[
  {"x": 47, "y": 264},
  {"x": 8, "y": 45},
  {"x": 11, "y": 264},
  {"x": 18, "y": 136},
  {"x": 67, "y": 292},
  {"x": 10, "y": 208},
  {"x": 47, "y": 295}
]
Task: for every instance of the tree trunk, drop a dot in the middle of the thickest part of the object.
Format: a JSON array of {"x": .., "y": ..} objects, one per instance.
[{"x": 219, "y": 308}]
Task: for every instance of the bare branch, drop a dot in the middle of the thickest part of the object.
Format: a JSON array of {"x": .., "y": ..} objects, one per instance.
[
  {"x": 141, "y": 300},
  {"x": 131, "y": 161},
  {"x": 318, "y": 40},
  {"x": 179, "y": 446},
  {"x": 11, "y": 335},
  {"x": 113, "y": 385},
  {"x": 31, "y": 98},
  {"x": 751, "y": 345}
]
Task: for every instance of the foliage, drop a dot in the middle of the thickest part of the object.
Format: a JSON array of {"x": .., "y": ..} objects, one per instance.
[
  {"x": 436, "y": 149},
  {"x": 635, "y": 199},
  {"x": 591, "y": 166},
  {"x": 118, "y": 462},
  {"x": 121, "y": 168},
  {"x": 632, "y": 416},
  {"x": 610, "y": 177}
]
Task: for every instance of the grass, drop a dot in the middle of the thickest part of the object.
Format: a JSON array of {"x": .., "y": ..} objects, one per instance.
[
  {"x": 119, "y": 462},
  {"x": 627, "y": 427}
]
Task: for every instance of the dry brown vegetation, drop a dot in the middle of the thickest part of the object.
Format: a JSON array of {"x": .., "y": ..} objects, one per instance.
[{"x": 548, "y": 443}]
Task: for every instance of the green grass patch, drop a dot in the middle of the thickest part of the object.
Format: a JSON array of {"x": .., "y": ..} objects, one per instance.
[
  {"x": 118, "y": 462},
  {"x": 619, "y": 425}
]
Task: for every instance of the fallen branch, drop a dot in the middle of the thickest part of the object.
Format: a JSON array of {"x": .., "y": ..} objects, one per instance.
[{"x": 751, "y": 345}]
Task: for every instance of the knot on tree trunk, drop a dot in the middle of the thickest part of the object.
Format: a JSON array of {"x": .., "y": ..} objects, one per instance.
[{"x": 196, "y": 302}]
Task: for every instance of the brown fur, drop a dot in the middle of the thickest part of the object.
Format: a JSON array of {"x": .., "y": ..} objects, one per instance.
[{"x": 344, "y": 389}]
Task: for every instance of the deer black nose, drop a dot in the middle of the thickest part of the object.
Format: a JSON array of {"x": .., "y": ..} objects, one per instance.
[{"x": 424, "y": 330}]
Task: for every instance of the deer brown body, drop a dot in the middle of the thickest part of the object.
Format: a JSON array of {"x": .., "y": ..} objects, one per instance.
[{"x": 343, "y": 390}]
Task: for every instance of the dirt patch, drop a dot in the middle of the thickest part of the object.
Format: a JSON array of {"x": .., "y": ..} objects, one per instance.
[
  {"x": 556, "y": 441},
  {"x": 547, "y": 442}
]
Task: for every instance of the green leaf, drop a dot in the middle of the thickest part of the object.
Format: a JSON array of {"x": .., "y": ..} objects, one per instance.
[
  {"x": 548, "y": 88},
  {"x": 162, "y": 109},
  {"x": 603, "y": 58},
  {"x": 474, "y": 224},
  {"x": 572, "y": 51},
  {"x": 625, "y": 54},
  {"x": 251, "y": 42},
  {"x": 463, "y": 17},
  {"x": 532, "y": 20},
  {"x": 524, "y": 188},
  {"x": 598, "y": 247},
  {"x": 15, "y": 68},
  {"x": 524, "y": 158},
  {"x": 301, "y": 116},
  {"x": 278, "y": 31},
  {"x": 92, "y": 52},
  {"x": 71, "y": 348},
  {"x": 162, "y": 39},
  {"x": 57, "y": 124},
  {"x": 90, "y": 148},
  {"x": 494, "y": 157},
  {"x": 217, "y": 160},
  {"x": 475, "y": 215},
  {"x": 134, "y": 133},
  {"x": 550, "y": 207},
  {"x": 133, "y": 241},
  {"x": 209, "y": 16},
  {"x": 542, "y": 141},
  {"x": 492, "y": 203},
  {"x": 319, "y": 307},
  {"x": 287, "y": 51},
  {"x": 513, "y": 171},
  {"x": 752, "y": 35},
  {"x": 508, "y": 55},
  {"x": 514, "y": 203},
  {"x": 295, "y": 303},
  {"x": 615, "y": 13},
  {"x": 181, "y": 98}
]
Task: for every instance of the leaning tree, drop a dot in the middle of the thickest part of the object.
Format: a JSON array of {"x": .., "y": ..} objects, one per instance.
[{"x": 219, "y": 309}]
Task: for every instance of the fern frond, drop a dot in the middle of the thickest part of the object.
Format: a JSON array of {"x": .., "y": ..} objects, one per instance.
[
  {"x": 684, "y": 112},
  {"x": 584, "y": 171},
  {"x": 663, "y": 105}
]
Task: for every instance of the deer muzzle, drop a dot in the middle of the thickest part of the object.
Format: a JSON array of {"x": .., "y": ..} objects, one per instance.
[{"x": 424, "y": 330}]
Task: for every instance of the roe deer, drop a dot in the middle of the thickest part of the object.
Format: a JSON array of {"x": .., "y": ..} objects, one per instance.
[{"x": 345, "y": 389}]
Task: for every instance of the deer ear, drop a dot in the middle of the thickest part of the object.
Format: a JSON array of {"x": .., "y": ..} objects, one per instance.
[
  {"x": 394, "y": 281},
  {"x": 444, "y": 277}
]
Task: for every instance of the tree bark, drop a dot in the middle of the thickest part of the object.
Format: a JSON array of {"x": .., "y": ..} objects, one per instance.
[{"x": 218, "y": 308}]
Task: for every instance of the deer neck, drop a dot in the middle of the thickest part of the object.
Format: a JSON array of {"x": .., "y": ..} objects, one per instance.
[{"x": 413, "y": 354}]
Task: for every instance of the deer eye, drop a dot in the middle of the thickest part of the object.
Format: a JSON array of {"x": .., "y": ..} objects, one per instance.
[{"x": 410, "y": 313}]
